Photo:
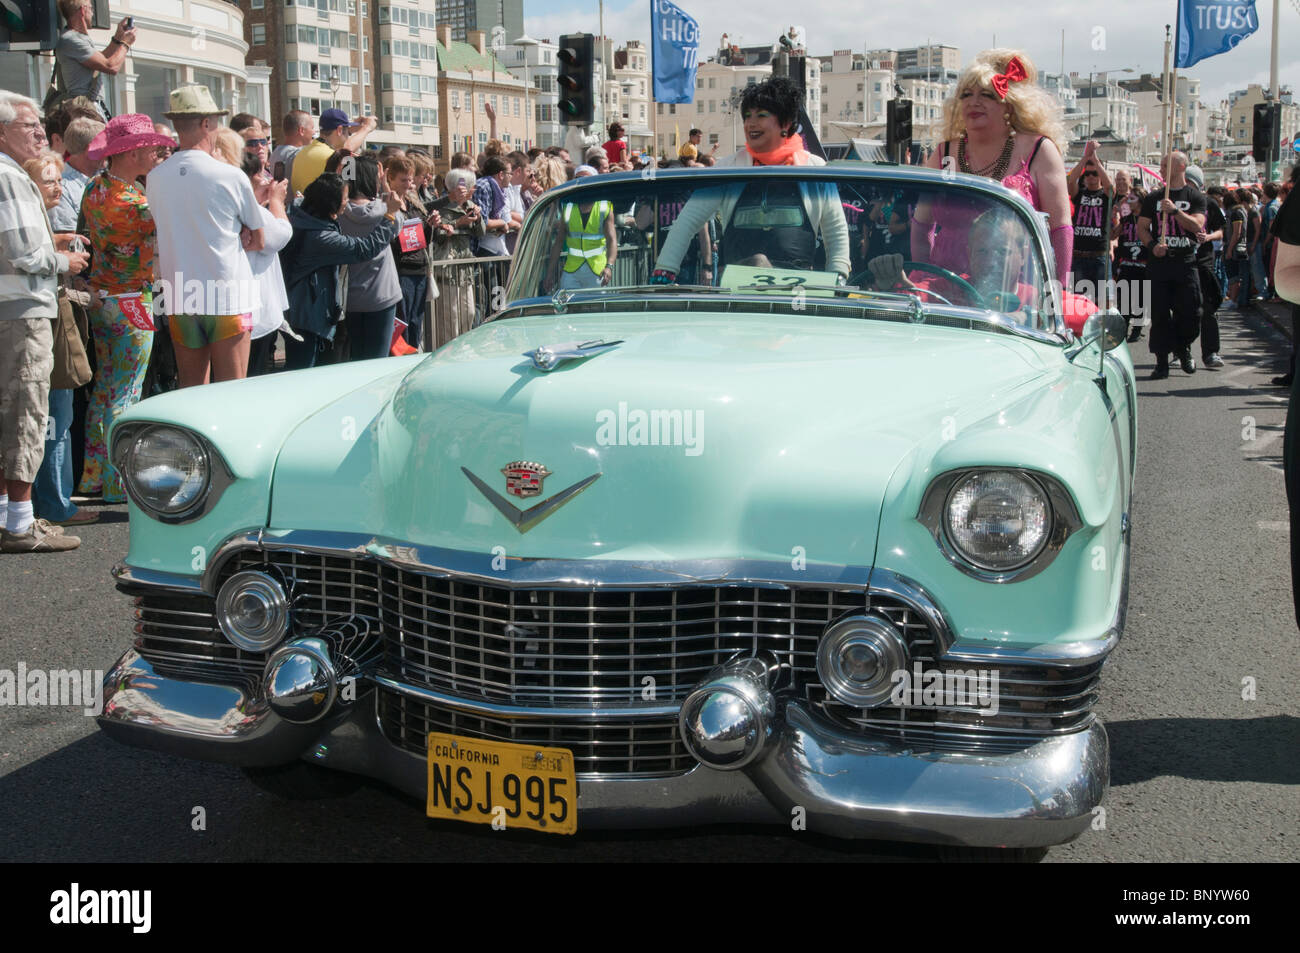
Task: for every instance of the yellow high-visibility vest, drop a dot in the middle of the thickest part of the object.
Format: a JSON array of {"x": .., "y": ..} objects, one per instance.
[{"x": 585, "y": 241}]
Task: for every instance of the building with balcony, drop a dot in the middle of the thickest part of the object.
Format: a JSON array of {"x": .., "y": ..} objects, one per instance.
[
  {"x": 178, "y": 42},
  {"x": 1106, "y": 105},
  {"x": 366, "y": 57}
]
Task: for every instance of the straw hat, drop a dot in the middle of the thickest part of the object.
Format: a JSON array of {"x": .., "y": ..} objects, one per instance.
[{"x": 193, "y": 100}]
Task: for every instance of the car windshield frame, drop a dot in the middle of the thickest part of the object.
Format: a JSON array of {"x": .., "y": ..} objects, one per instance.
[{"x": 539, "y": 231}]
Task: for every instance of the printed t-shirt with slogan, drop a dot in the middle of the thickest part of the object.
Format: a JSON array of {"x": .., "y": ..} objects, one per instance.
[
  {"x": 1091, "y": 210},
  {"x": 1181, "y": 242}
]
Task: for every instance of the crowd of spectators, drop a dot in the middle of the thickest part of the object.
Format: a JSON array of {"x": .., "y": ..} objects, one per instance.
[{"x": 200, "y": 249}]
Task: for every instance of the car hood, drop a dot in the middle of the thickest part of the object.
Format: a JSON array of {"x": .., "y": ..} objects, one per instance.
[{"x": 724, "y": 437}]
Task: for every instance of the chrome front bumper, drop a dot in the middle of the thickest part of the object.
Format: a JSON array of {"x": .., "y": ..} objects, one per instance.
[{"x": 846, "y": 785}]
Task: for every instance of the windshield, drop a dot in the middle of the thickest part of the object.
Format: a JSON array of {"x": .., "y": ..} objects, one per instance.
[{"x": 780, "y": 233}]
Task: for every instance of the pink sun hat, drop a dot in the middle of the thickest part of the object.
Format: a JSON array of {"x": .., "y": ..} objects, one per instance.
[{"x": 124, "y": 133}]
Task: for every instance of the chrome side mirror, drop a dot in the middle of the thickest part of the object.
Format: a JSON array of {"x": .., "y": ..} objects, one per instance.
[{"x": 1107, "y": 326}]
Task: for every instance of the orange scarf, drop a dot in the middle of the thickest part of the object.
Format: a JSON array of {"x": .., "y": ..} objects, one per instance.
[{"x": 789, "y": 152}]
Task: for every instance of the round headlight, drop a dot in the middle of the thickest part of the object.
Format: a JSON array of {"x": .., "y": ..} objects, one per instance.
[
  {"x": 167, "y": 469},
  {"x": 998, "y": 520}
]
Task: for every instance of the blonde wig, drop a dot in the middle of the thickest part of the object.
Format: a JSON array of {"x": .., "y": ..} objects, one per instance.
[{"x": 1033, "y": 109}]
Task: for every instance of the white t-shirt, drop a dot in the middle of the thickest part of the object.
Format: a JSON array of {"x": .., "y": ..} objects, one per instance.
[
  {"x": 198, "y": 205},
  {"x": 272, "y": 301}
]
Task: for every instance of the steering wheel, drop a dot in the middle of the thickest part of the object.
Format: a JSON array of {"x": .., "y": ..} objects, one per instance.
[{"x": 976, "y": 298}]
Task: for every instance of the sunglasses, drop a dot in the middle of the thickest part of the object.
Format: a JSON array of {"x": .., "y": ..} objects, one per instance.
[{"x": 256, "y": 142}]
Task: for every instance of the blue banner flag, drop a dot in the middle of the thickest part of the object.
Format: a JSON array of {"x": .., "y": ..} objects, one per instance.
[
  {"x": 1208, "y": 29},
  {"x": 674, "y": 48}
]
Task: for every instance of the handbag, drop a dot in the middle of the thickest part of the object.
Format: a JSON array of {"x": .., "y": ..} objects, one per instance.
[{"x": 71, "y": 365}]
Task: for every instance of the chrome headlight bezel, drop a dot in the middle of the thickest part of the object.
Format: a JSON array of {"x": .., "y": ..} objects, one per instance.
[
  {"x": 125, "y": 440},
  {"x": 1064, "y": 521}
]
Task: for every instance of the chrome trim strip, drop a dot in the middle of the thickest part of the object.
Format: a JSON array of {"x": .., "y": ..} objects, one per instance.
[
  {"x": 1062, "y": 654},
  {"x": 1065, "y": 522},
  {"x": 130, "y": 577},
  {"x": 523, "y": 572},
  {"x": 524, "y": 712}
]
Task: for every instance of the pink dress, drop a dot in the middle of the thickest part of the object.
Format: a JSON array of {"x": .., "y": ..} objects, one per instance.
[{"x": 953, "y": 216}]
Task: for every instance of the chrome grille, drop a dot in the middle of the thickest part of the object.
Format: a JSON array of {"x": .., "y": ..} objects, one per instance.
[
  {"x": 587, "y": 645},
  {"x": 632, "y": 748},
  {"x": 1034, "y": 702},
  {"x": 599, "y": 646}
]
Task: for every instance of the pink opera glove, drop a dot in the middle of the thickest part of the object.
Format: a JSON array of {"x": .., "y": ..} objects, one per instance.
[{"x": 1062, "y": 238}]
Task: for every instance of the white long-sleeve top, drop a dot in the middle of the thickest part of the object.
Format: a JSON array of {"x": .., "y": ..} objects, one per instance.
[
  {"x": 272, "y": 300},
  {"x": 821, "y": 201}
]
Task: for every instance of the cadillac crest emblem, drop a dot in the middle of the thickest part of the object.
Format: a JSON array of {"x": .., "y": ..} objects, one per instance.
[{"x": 524, "y": 478}]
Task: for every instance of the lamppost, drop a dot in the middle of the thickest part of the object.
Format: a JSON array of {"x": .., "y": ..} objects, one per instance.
[
  {"x": 334, "y": 84},
  {"x": 527, "y": 41}
]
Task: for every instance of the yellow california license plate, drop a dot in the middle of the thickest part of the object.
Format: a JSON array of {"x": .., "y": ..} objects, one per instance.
[{"x": 503, "y": 784}]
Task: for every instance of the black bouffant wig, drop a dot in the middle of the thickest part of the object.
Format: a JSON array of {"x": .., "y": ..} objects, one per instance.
[{"x": 779, "y": 96}]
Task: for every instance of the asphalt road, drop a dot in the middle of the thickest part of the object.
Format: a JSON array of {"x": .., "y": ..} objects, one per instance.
[{"x": 1198, "y": 772}]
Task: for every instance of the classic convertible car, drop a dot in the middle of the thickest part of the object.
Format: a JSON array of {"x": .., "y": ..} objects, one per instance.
[{"x": 726, "y": 515}]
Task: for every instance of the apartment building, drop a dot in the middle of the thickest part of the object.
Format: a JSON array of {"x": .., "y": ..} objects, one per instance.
[{"x": 362, "y": 56}]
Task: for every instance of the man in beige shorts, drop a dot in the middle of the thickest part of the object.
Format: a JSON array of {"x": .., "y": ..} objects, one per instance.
[{"x": 31, "y": 258}]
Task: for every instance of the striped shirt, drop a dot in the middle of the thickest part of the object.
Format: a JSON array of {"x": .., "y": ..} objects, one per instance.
[{"x": 29, "y": 265}]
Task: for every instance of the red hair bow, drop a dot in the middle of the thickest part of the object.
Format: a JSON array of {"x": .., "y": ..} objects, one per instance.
[{"x": 1016, "y": 73}]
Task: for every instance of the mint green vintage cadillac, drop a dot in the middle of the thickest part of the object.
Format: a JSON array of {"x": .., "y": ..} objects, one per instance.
[{"x": 737, "y": 509}]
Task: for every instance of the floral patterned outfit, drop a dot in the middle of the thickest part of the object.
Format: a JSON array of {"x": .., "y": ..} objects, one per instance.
[{"x": 121, "y": 232}]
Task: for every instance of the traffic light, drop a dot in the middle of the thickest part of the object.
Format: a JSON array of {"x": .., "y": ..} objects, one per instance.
[
  {"x": 1267, "y": 125},
  {"x": 898, "y": 128},
  {"x": 28, "y": 25},
  {"x": 577, "y": 64}
]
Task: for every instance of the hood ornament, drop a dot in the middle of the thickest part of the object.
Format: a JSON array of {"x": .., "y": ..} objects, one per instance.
[{"x": 550, "y": 356}]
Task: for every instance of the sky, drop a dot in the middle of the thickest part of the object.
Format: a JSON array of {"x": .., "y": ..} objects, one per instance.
[{"x": 1103, "y": 34}]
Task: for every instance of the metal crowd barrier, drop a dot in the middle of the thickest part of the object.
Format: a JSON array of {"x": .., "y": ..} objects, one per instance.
[{"x": 465, "y": 290}]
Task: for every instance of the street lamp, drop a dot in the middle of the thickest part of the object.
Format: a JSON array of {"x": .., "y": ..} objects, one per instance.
[
  {"x": 526, "y": 41},
  {"x": 334, "y": 84}
]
